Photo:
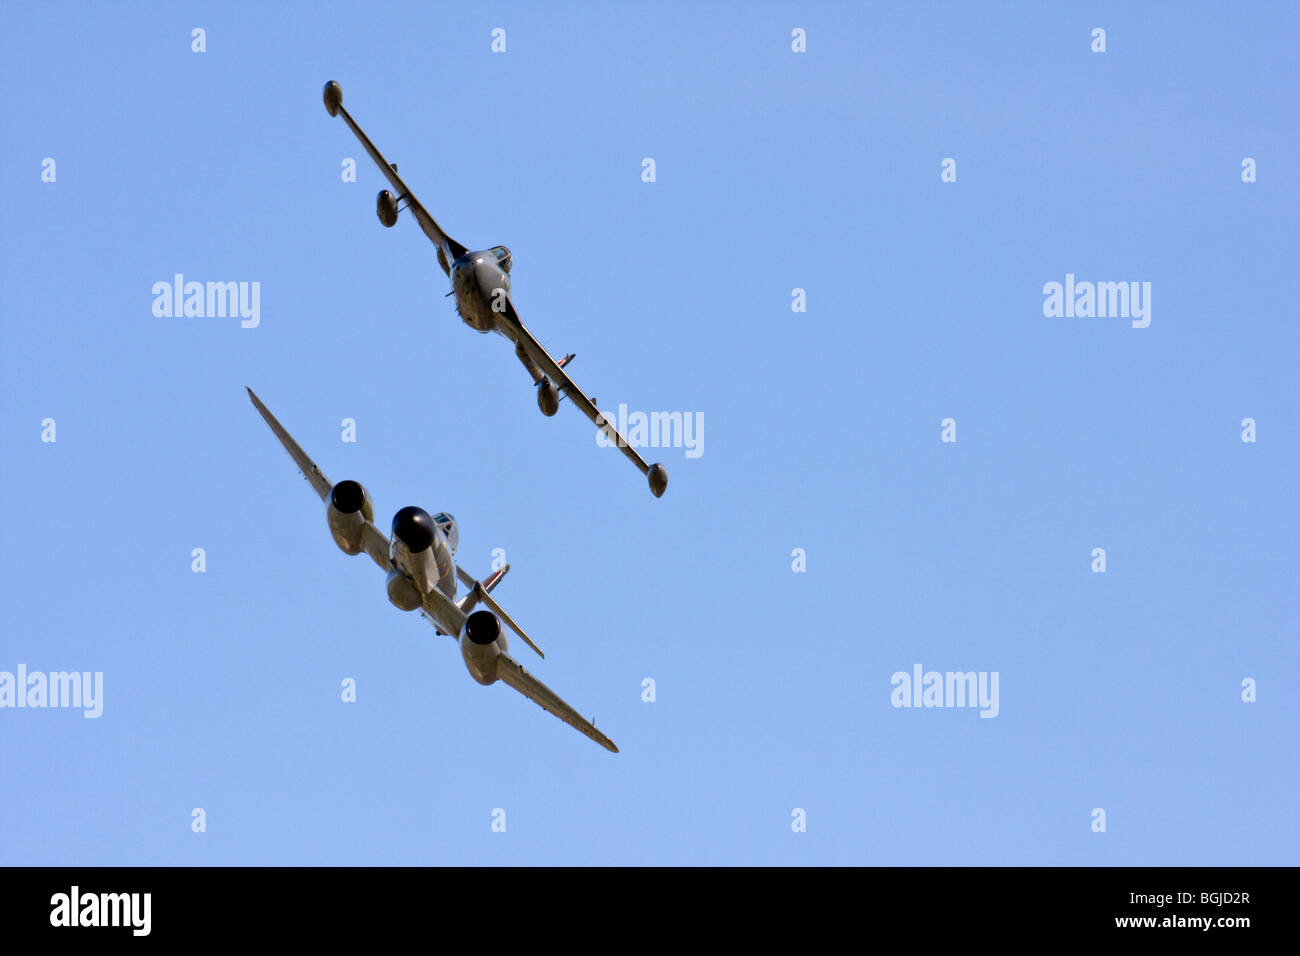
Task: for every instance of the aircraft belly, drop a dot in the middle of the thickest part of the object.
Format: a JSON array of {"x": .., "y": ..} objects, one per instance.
[
  {"x": 446, "y": 566},
  {"x": 475, "y": 311},
  {"x": 506, "y": 330},
  {"x": 432, "y": 568}
]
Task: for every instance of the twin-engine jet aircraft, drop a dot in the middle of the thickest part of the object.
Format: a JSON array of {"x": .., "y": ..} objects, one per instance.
[
  {"x": 481, "y": 283},
  {"x": 422, "y": 572}
]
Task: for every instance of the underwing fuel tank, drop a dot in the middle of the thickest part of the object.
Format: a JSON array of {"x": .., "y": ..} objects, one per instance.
[
  {"x": 548, "y": 397},
  {"x": 386, "y": 208}
]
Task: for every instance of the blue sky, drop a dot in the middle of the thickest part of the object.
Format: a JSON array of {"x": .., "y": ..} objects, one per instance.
[{"x": 775, "y": 170}]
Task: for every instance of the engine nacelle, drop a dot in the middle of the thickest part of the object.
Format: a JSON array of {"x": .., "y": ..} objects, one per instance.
[
  {"x": 548, "y": 397},
  {"x": 347, "y": 511},
  {"x": 386, "y": 208},
  {"x": 482, "y": 642},
  {"x": 402, "y": 594}
]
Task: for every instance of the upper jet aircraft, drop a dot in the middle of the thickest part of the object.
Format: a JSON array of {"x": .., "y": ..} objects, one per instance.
[
  {"x": 480, "y": 280},
  {"x": 422, "y": 572}
]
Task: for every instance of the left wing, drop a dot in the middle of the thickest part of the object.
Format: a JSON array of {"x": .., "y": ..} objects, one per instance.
[{"x": 656, "y": 474}]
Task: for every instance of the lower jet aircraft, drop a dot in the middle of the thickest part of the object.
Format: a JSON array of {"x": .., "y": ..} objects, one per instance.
[
  {"x": 480, "y": 280},
  {"x": 422, "y": 571}
]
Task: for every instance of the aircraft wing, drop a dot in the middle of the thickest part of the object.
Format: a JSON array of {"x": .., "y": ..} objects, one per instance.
[
  {"x": 320, "y": 484},
  {"x": 375, "y": 540},
  {"x": 657, "y": 474},
  {"x": 448, "y": 248},
  {"x": 444, "y": 612},
  {"x": 510, "y": 671}
]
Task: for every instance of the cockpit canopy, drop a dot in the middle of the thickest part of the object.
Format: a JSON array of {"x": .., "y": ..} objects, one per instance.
[
  {"x": 503, "y": 257},
  {"x": 448, "y": 525}
]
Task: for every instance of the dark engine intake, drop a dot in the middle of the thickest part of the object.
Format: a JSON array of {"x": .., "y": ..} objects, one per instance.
[
  {"x": 414, "y": 528},
  {"x": 347, "y": 512},
  {"x": 483, "y": 628},
  {"x": 482, "y": 642}
]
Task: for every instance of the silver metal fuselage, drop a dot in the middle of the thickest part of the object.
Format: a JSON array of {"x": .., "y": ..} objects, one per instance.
[
  {"x": 476, "y": 278},
  {"x": 434, "y": 567}
]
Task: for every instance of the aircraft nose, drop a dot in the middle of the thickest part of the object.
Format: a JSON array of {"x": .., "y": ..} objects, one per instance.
[{"x": 414, "y": 528}]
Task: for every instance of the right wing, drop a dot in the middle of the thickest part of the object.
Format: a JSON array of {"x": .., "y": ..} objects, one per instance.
[
  {"x": 443, "y": 611},
  {"x": 449, "y": 250},
  {"x": 537, "y": 354},
  {"x": 513, "y": 674}
]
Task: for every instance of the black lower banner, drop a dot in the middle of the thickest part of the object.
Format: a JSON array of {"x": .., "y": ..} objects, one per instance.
[{"x": 1151, "y": 904}]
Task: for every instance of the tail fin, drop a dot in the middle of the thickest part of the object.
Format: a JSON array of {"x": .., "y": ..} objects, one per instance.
[
  {"x": 478, "y": 594},
  {"x": 500, "y": 612},
  {"x": 493, "y": 579},
  {"x": 471, "y": 600}
]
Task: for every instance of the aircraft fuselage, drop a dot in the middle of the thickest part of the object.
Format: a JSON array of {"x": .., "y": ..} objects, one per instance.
[
  {"x": 421, "y": 552},
  {"x": 481, "y": 286}
]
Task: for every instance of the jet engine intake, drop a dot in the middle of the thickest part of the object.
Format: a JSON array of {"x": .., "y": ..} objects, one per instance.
[
  {"x": 347, "y": 511},
  {"x": 414, "y": 528},
  {"x": 482, "y": 642}
]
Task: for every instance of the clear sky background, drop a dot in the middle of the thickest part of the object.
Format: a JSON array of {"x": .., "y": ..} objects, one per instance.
[{"x": 775, "y": 171}]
